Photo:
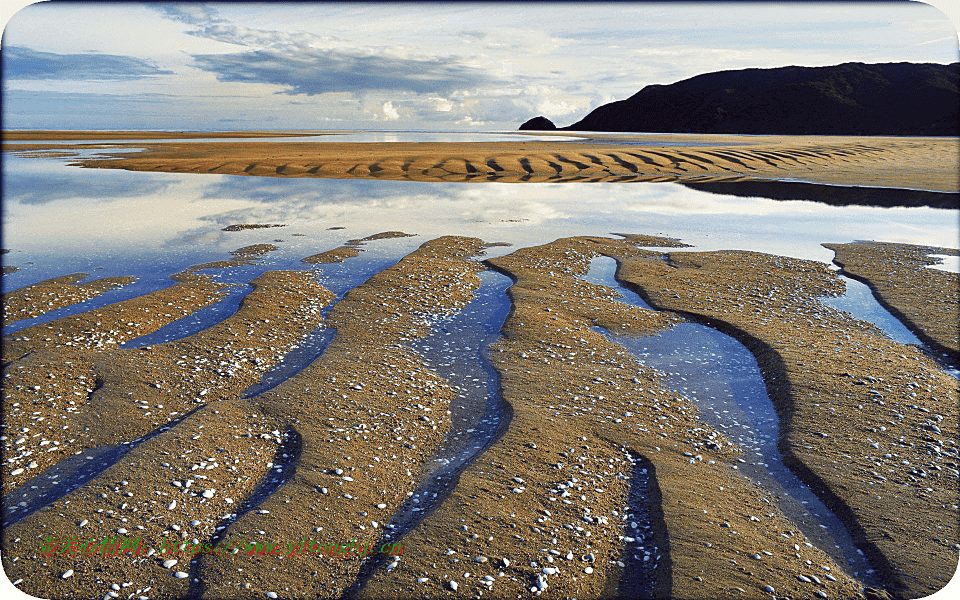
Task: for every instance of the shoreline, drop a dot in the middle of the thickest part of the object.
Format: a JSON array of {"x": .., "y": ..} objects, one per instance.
[{"x": 886, "y": 162}]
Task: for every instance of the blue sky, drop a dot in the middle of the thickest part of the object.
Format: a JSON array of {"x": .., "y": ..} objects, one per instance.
[{"x": 455, "y": 66}]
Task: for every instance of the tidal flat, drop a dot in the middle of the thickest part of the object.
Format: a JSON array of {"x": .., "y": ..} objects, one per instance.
[{"x": 409, "y": 359}]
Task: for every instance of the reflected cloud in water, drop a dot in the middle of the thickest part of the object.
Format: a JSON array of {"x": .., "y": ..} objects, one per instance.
[
  {"x": 55, "y": 214},
  {"x": 42, "y": 186}
]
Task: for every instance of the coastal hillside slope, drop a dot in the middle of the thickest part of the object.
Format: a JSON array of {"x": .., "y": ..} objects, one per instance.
[{"x": 848, "y": 99}]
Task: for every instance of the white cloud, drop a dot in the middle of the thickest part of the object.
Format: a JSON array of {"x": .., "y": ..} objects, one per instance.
[
  {"x": 551, "y": 107},
  {"x": 389, "y": 112},
  {"x": 491, "y": 66},
  {"x": 442, "y": 104}
]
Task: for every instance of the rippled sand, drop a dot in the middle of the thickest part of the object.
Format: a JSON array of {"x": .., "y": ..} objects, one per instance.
[
  {"x": 333, "y": 452},
  {"x": 919, "y": 163}
]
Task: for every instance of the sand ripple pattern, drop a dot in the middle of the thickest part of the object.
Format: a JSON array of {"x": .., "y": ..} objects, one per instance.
[{"x": 919, "y": 163}]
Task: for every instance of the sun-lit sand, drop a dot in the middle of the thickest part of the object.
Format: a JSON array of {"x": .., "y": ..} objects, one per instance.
[
  {"x": 333, "y": 452},
  {"x": 917, "y": 163}
]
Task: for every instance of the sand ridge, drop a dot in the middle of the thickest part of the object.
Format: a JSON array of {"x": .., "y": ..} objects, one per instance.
[
  {"x": 40, "y": 298},
  {"x": 917, "y": 163},
  {"x": 862, "y": 418},
  {"x": 585, "y": 415}
]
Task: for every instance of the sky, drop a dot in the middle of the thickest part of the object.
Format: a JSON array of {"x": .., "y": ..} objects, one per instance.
[{"x": 418, "y": 66}]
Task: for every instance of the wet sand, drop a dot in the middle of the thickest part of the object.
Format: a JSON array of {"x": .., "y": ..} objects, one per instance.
[
  {"x": 550, "y": 496},
  {"x": 916, "y": 163},
  {"x": 333, "y": 452},
  {"x": 39, "y": 299},
  {"x": 926, "y": 300},
  {"x": 864, "y": 421}
]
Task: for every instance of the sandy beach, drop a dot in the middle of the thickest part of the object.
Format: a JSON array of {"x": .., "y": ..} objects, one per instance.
[
  {"x": 916, "y": 163},
  {"x": 589, "y": 473},
  {"x": 332, "y": 452},
  {"x": 388, "y": 301}
]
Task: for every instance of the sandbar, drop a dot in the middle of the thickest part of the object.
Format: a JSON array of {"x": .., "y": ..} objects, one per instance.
[{"x": 923, "y": 163}]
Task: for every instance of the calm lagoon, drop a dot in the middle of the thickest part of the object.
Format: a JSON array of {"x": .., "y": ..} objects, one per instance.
[{"x": 60, "y": 219}]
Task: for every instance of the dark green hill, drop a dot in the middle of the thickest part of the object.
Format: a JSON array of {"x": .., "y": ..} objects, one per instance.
[{"x": 847, "y": 99}]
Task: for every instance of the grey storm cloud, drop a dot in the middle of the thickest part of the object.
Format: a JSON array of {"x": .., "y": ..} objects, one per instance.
[
  {"x": 315, "y": 71},
  {"x": 23, "y": 63}
]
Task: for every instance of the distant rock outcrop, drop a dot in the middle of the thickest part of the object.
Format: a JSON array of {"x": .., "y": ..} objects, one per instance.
[
  {"x": 847, "y": 99},
  {"x": 538, "y": 124}
]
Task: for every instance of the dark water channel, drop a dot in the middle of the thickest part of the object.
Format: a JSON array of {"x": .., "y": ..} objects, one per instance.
[
  {"x": 456, "y": 349},
  {"x": 647, "y": 547},
  {"x": 721, "y": 376}
]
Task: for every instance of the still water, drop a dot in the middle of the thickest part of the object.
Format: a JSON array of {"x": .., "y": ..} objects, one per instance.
[{"x": 59, "y": 219}]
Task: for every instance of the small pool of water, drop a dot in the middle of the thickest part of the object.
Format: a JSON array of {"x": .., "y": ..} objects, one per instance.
[
  {"x": 859, "y": 302},
  {"x": 948, "y": 263}
]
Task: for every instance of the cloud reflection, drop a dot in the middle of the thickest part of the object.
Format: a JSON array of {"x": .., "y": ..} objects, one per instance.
[
  {"x": 25, "y": 187},
  {"x": 150, "y": 214}
]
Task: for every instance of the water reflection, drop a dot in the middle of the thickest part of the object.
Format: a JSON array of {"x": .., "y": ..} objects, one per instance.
[
  {"x": 368, "y": 137},
  {"x": 835, "y": 195},
  {"x": 59, "y": 219},
  {"x": 27, "y": 181},
  {"x": 948, "y": 263}
]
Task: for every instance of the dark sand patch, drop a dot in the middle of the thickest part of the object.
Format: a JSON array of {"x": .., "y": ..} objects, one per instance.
[
  {"x": 245, "y": 226},
  {"x": 254, "y": 250},
  {"x": 332, "y": 256},
  {"x": 385, "y": 235},
  {"x": 351, "y": 248},
  {"x": 247, "y": 255}
]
